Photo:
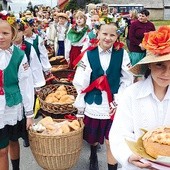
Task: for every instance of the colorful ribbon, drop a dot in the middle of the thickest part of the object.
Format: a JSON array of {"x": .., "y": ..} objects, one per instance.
[{"x": 1, "y": 83}]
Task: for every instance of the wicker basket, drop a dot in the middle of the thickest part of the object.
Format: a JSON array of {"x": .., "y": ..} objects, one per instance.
[
  {"x": 56, "y": 108},
  {"x": 66, "y": 73},
  {"x": 59, "y": 152}
]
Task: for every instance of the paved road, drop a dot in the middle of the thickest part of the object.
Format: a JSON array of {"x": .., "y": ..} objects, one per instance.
[{"x": 28, "y": 162}]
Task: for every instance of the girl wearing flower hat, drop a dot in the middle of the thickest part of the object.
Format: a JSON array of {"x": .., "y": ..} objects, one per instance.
[
  {"x": 145, "y": 104},
  {"x": 100, "y": 74},
  {"x": 16, "y": 92}
]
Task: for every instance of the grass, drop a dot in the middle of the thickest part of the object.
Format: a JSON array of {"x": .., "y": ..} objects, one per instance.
[{"x": 158, "y": 23}]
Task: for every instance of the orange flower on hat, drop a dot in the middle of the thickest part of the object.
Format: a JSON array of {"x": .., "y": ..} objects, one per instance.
[{"x": 158, "y": 42}]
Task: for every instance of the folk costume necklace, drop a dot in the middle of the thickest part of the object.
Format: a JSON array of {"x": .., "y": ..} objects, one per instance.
[{"x": 74, "y": 35}]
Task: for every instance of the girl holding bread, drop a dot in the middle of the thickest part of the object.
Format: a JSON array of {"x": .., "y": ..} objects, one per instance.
[
  {"x": 100, "y": 74},
  {"x": 145, "y": 104},
  {"x": 16, "y": 93}
]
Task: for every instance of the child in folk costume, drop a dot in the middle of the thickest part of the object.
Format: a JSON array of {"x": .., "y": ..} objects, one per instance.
[
  {"x": 35, "y": 65},
  {"x": 76, "y": 38},
  {"x": 51, "y": 33},
  {"x": 100, "y": 75},
  {"x": 132, "y": 115},
  {"x": 16, "y": 93},
  {"x": 38, "y": 45},
  {"x": 34, "y": 62},
  {"x": 61, "y": 28}
]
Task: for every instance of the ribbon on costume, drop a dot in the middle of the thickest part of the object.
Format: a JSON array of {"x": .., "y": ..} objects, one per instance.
[
  {"x": 93, "y": 45},
  {"x": 1, "y": 83}
]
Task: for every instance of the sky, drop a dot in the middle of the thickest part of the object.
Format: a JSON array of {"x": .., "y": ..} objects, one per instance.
[{"x": 21, "y": 5}]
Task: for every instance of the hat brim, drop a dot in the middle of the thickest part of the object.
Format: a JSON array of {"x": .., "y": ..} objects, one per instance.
[
  {"x": 63, "y": 15},
  {"x": 141, "y": 66}
]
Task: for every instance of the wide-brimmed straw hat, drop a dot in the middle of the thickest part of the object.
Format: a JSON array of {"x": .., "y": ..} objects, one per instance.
[
  {"x": 157, "y": 44},
  {"x": 64, "y": 15}
]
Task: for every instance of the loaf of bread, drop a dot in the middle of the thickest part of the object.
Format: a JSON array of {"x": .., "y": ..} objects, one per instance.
[{"x": 157, "y": 142}]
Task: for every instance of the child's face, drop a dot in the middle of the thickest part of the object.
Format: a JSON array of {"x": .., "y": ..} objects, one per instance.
[
  {"x": 80, "y": 21},
  {"x": 107, "y": 36},
  {"x": 160, "y": 74},
  {"x": 18, "y": 39},
  {"x": 28, "y": 31},
  {"x": 94, "y": 19},
  {"x": 61, "y": 20},
  {"x": 6, "y": 35}
]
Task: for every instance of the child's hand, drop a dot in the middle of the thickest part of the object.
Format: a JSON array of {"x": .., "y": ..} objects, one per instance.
[
  {"x": 30, "y": 122},
  {"x": 135, "y": 160}
]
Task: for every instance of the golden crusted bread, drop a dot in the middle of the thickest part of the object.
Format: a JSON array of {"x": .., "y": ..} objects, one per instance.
[{"x": 157, "y": 142}]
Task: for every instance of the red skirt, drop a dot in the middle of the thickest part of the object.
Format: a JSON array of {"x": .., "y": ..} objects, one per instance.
[
  {"x": 96, "y": 130},
  {"x": 74, "y": 53}
]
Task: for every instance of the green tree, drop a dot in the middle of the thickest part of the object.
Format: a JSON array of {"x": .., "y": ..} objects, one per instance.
[{"x": 72, "y": 4}]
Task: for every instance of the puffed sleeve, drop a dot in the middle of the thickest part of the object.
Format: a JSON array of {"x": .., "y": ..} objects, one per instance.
[
  {"x": 127, "y": 77},
  {"x": 43, "y": 55},
  {"x": 36, "y": 69},
  {"x": 81, "y": 81},
  {"x": 26, "y": 86}
]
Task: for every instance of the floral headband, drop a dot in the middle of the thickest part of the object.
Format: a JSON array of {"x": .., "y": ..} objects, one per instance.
[
  {"x": 25, "y": 20},
  {"x": 108, "y": 20},
  {"x": 158, "y": 42},
  {"x": 10, "y": 18}
]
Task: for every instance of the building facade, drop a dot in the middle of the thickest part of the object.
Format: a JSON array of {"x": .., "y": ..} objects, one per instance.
[{"x": 159, "y": 9}]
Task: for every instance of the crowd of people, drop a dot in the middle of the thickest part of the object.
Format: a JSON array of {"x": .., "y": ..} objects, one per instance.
[{"x": 113, "y": 84}]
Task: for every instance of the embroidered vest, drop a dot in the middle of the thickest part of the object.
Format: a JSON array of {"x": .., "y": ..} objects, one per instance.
[
  {"x": 11, "y": 87},
  {"x": 28, "y": 50},
  {"x": 91, "y": 35},
  {"x": 35, "y": 45},
  {"x": 113, "y": 73}
]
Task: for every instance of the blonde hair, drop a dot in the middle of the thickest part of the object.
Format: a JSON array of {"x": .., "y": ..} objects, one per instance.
[
  {"x": 81, "y": 15},
  {"x": 134, "y": 14},
  {"x": 13, "y": 29},
  {"x": 91, "y": 6}
]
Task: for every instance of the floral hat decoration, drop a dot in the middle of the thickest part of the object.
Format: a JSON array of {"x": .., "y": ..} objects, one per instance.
[
  {"x": 157, "y": 44},
  {"x": 108, "y": 20},
  {"x": 9, "y": 17}
]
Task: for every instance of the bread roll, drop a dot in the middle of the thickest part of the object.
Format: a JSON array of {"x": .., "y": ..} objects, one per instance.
[
  {"x": 75, "y": 125},
  {"x": 65, "y": 128},
  {"x": 61, "y": 88},
  {"x": 60, "y": 93},
  {"x": 157, "y": 142},
  {"x": 67, "y": 99}
]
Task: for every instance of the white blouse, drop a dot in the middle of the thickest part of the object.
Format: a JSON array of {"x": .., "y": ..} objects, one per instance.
[
  {"x": 10, "y": 115},
  {"x": 46, "y": 66},
  {"x": 138, "y": 108},
  {"x": 82, "y": 81}
]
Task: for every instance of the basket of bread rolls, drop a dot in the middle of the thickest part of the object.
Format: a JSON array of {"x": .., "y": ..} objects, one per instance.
[
  {"x": 58, "y": 60},
  {"x": 57, "y": 98},
  {"x": 56, "y": 144},
  {"x": 64, "y": 76}
]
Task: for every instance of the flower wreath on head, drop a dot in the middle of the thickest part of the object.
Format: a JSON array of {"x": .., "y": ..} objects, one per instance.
[
  {"x": 9, "y": 17},
  {"x": 158, "y": 42},
  {"x": 108, "y": 20},
  {"x": 30, "y": 21}
]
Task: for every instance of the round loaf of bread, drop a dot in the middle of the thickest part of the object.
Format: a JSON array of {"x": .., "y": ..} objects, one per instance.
[{"x": 157, "y": 142}]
